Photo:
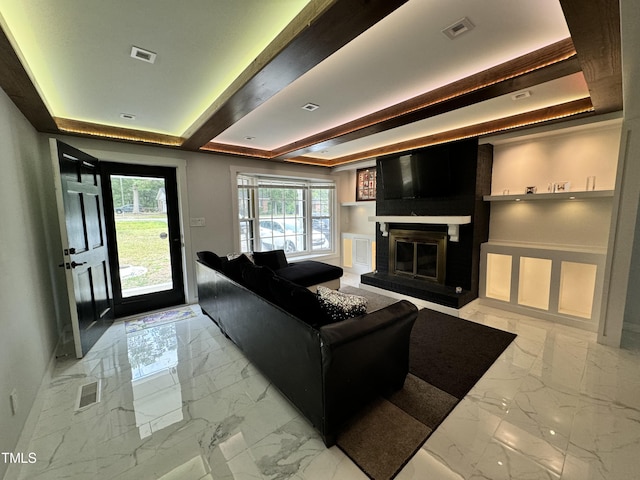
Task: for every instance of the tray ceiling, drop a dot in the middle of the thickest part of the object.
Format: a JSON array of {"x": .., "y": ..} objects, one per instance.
[{"x": 232, "y": 77}]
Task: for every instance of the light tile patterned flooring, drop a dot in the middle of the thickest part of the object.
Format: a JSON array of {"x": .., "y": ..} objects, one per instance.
[{"x": 180, "y": 401}]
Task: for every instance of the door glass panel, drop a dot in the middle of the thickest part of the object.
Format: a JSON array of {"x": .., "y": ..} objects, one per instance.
[{"x": 142, "y": 234}]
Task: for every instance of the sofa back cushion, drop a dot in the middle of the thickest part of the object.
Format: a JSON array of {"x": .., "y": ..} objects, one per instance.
[
  {"x": 298, "y": 301},
  {"x": 274, "y": 259}
]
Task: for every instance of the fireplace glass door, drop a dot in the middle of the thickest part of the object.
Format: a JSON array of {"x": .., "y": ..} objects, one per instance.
[
  {"x": 427, "y": 260},
  {"x": 418, "y": 254}
]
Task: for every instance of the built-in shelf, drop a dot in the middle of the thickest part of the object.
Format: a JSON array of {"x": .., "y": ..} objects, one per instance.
[
  {"x": 549, "y": 196},
  {"x": 358, "y": 204},
  {"x": 453, "y": 222}
]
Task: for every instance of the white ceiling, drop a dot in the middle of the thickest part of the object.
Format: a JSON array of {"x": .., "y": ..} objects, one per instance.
[{"x": 77, "y": 53}]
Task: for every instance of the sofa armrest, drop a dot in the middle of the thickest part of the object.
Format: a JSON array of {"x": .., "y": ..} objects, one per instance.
[
  {"x": 338, "y": 333},
  {"x": 364, "y": 357}
]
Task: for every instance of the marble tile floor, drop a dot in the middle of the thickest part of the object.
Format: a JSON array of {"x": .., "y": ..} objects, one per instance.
[{"x": 180, "y": 401}]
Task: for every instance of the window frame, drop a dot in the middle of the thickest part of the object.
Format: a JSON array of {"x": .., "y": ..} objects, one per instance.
[{"x": 252, "y": 181}]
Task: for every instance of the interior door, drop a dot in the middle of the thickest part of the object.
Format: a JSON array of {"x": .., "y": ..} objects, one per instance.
[{"x": 84, "y": 240}]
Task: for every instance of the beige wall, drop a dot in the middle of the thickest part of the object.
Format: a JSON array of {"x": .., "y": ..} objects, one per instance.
[
  {"x": 28, "y": 257},
  {"x": 536, "y": 161},
  {"x": 568, "y": 156}
]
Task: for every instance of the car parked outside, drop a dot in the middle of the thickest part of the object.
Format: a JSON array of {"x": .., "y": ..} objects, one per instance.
[
  {"x": 124, "y": 209},
  {"x": 289, "y": 235}
]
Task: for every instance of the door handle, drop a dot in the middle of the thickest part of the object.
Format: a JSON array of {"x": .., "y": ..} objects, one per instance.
[{"x": 76, "y": 264}]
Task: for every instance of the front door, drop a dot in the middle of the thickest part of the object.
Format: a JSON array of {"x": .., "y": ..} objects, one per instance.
[
  {"x": 85, "y": 253},
  {"x": 144, "y": 232}
]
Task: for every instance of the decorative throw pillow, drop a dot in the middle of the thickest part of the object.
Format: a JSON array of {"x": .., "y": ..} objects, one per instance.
[
  {"x": 233, "y": 256},
  {"x": 274, "y": 259},
  {"x": 340, "y": 306}
]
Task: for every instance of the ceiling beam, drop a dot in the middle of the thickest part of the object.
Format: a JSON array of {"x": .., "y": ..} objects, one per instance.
[
  {"x": 595, "y": 29},
  {"x": 343, "y": 21},
  {"x": 15, "y": 81}
]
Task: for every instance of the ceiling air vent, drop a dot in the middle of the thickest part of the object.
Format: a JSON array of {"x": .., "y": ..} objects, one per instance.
[
  {"x": 310, "y": 107},
  {"x": 521, "y": 95},
  {"x": 142, "y": 54},
  {"x": 461, "y": 26}
]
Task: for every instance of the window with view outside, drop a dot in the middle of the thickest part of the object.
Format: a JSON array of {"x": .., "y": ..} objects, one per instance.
[{"x": 281, "y": 213}]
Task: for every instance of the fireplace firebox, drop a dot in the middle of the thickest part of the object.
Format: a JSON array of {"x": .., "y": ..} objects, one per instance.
[{"x": 418, "y": 254}]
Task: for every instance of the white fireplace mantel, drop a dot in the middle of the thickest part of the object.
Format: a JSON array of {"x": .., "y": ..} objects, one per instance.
[{"x": 452, "y": 222}]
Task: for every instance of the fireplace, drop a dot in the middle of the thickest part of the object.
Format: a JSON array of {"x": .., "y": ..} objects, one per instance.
[{"x": 421, "y": 255}]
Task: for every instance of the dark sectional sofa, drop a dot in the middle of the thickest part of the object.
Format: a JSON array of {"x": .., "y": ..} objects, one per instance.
[{"x": 329, "y": 371}]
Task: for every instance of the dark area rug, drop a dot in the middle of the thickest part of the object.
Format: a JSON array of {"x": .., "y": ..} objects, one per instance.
[{"x": 447, "y": 356}]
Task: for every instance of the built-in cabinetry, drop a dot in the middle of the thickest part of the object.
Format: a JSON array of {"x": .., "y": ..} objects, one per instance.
[
  {"x": 546, "y": 251},
  {"x": 555, "y": 283}
]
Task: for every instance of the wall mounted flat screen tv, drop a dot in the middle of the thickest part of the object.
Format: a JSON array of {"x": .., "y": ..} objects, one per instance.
[{"x": 422, "y": 174}]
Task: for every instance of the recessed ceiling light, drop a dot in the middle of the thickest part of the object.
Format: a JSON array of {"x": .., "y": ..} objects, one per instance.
[
  {"x": 249, "y": 138},
  {"x": 142, "y": 54},
  {"x": 521, "y": 95},
  {"x": 461, "y": 26},
  {"x": 127, "y": 116},
  {"x": 310, "y": 107}
]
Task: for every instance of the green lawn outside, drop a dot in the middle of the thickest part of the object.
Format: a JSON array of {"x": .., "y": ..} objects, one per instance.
[{"x": 140, "y": 245}]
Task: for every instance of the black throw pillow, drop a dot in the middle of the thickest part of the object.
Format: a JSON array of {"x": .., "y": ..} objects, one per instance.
[
  {"x": 274, "y": 259},
  {"x": 210, "y": 259},
  {"x": 256, "y": 279},
  {"x": 233, "y": 268},
  {"x": 298, "y": 301}
]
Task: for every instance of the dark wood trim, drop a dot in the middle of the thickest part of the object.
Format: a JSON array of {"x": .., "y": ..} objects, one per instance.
[
  {"x": 595, "y": 29},
  {"x": 15, "y": 81},
  {"x": 86, "y": 129},
  {"x": 340, "y": 23},
  {"x": 543, "y": 115},
  {"x": 236, "y": 150}
]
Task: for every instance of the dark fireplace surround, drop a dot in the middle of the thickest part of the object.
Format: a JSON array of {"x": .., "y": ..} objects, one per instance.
[{"x": 457, "y": 283}]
